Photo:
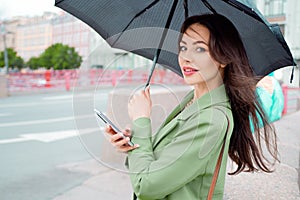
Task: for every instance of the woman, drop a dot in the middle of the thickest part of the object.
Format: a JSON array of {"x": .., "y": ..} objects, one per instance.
[{"x": 178, "y": 161}]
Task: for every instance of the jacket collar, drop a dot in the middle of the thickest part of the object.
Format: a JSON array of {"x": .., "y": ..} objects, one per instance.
[{"x": 216, "y": 96}]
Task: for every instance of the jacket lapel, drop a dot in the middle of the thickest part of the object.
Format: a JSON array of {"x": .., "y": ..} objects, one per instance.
[
  {"x": 177, "y": 109},
  {"x": 167, "y": 125},
  {"x": 217, "y": 96}
]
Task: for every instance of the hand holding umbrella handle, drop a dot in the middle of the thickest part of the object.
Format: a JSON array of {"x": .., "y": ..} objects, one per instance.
[{"x": 140, "y": 105}]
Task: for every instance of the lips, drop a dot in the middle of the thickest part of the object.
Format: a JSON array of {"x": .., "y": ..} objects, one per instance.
[{"x": 188, "y": 71}]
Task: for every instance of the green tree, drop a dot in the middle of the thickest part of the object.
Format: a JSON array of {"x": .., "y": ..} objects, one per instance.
[
  {"x": 14, "y": 61},
  {"x": 34, "y": 63},
  {"x": 59, "y": 56}
]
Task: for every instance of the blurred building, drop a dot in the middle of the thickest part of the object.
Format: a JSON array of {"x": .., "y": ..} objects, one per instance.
[
  {"x": 72, "y": 32},
  {"x": 30, "y": 36},
  {"x": 34, "y": 35},
  {"x": 9, "y": 29}
]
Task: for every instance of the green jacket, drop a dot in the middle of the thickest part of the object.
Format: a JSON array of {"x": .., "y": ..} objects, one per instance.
[{"x": 179, "y": 160}]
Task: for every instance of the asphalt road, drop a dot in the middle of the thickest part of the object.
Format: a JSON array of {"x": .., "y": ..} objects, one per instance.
[
  {"x": 49, "y": 142},
  {"x": 39, "y": 134}
]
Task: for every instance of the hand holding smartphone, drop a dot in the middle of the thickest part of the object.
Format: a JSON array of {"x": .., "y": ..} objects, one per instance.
[{"x": 105, "y": 119}]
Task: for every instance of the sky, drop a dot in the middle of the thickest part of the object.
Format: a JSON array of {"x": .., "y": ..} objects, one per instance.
[{"x": 11, "y": 8}]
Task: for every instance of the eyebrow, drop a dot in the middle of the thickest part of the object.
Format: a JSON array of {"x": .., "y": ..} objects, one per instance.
[{"x": 197, "y": 42}]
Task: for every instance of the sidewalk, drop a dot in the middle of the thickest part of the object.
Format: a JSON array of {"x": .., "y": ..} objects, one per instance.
[{"x": 283, "y": 184}]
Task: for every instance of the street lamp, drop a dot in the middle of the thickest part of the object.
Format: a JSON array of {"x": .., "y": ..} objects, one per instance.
[
  {"x": 4, "y": 88},
  {"x": 5, "y": 48}
]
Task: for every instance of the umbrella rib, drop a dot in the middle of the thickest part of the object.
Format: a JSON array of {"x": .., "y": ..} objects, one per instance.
[
  {"x": 137, "y": 15},
  {"x": 244, "y": 9},
  {"x": 209, "y": 6},
  {"x": 57, "y": 2},
  {"x": 186, "y": 11}
]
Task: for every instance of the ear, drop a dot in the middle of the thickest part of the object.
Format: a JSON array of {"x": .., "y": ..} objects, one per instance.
[{"x": 223, "y": 65}]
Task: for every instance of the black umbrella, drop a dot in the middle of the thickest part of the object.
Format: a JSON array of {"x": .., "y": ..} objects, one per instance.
[{"x": 150, "y": 27}]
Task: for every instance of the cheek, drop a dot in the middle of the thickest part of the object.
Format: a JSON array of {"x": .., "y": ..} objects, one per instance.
[
  {"x": 210, "y": 71},
  {"x": 207, "y": 66}
]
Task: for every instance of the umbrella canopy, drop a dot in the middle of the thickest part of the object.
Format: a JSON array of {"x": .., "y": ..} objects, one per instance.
[{"x": 140, "y": 26}]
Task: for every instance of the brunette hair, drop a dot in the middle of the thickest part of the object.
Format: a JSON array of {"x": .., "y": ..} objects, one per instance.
[{"x": 226, "y": 47}]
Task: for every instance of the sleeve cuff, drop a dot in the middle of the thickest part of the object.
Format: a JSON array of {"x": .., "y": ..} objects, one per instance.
[{"x": 142, "y": 134}]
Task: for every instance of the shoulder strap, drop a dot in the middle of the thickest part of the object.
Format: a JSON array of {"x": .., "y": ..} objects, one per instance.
[
  {"x": 218, "y": 165},
  {"x": 134, "y": 197}
]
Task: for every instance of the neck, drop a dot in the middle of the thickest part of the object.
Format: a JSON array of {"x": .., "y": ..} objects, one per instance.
[{"x": 202, "y": 89}]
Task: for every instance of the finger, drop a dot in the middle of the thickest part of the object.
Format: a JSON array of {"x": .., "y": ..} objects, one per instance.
[
  {"x": 123, "y": 142},
  {"x": 127, "y": 132},
  {"x": 147, "y": 88},
  {"x": 147, "y": 91},
  {"x": 126, "y": 149},
  {"x": 143, "y": 93},
  {"x": 116, "y": 138},
  {"x": 109, "y": 130},
  {"x": 128, "y": 127}
]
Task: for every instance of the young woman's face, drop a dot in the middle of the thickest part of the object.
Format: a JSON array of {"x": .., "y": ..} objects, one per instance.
[{"x": 196, "y": 64}]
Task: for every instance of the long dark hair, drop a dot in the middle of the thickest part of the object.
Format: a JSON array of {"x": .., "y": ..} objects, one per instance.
[{"x": 226, "y": 47}]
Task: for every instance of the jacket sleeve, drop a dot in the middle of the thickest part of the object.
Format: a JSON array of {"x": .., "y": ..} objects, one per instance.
[{"x": 197, "y": 142}]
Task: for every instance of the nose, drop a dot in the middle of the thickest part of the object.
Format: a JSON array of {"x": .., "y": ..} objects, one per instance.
[{"x": 184, "y": 58}]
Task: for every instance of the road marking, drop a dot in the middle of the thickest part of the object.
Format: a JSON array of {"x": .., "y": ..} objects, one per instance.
[
  {"x": 51, "y": 136},
  {"x": 14, "y": 105},
  {"x": 45, "y": 102},
  {"x": 57, "y": 97},
  {"x": 5, "y": 114},
  {"x": 13, "y": 140},
  {"x": 43, "y": 121},
  {"x": 72, "y": 96}
]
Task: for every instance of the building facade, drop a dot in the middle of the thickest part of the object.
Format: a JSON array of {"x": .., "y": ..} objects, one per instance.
[
  {"x": 72, "y": 32},
  {"x": 8, "y": 33},
  {"x": 30, "y": 36},
  {"x": 33, "y": 36}
]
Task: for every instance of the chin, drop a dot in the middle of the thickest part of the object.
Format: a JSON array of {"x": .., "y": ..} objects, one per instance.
[{"x": 193, "y": 81}]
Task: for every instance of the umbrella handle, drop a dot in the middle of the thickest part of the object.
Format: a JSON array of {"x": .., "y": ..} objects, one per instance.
[
  {"x": 162, "y": 39},
  {"x": 152, "y": 68}
]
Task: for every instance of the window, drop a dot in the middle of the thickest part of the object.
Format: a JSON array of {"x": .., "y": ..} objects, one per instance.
[{"x": 275, "y": 7}]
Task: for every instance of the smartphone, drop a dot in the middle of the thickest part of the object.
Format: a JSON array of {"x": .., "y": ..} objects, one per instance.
[{"x": 105, "y": 119}]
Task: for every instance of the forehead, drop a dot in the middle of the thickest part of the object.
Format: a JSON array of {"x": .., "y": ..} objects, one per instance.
[{"x": 196, "y": 32}]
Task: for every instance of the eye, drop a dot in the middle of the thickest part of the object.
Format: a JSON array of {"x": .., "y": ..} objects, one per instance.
[
  {"x": 200, "y": 49},
  {"x": 182, "y": 48}
]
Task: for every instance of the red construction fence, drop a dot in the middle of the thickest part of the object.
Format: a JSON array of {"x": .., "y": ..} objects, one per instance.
[
  {"x": 291, "y": 99},
  {"x": 68, "y": 79}
]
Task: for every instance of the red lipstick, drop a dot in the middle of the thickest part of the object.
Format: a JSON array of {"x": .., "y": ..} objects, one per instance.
[{"x": 188, "y": 71}]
